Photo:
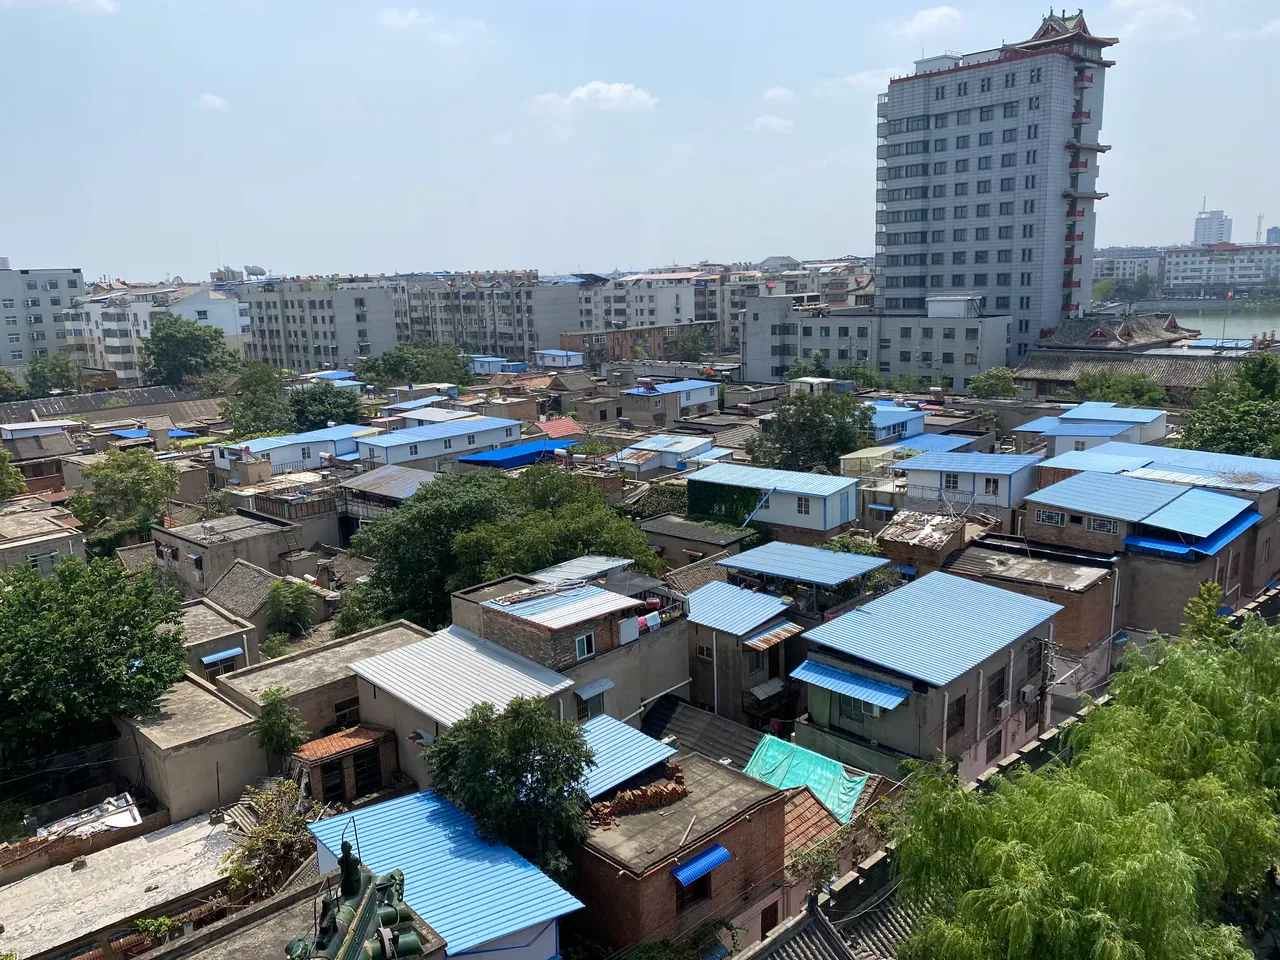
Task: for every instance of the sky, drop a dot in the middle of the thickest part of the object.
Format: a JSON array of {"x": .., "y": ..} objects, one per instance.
[{"x": 147, "y": 138}]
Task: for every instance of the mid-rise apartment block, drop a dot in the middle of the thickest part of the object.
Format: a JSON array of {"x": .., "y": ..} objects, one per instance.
[
  {"x": 987, "y": 178},
  {"x": 1212, "y": 226},
  {"x": 1219, "y": 269},
  {"x": 31, "y": 302}
]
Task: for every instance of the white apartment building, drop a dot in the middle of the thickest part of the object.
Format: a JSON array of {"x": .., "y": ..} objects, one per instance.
[
  {"x": 1214, "y": 271},
  {"x": 1212, "y": 226},
  {"x": 987, "y": 178},
  {"x": 31, "y": 303},
  {"x": 1128, "y": 265}
]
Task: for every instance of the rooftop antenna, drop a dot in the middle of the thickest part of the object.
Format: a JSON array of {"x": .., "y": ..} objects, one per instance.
[{"x": 1257, "y": 236}]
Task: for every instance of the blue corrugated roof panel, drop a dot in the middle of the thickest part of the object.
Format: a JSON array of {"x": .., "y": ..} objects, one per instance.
[
  {"x": 930, "y": 443},
  {"x": 804, "y": 564},
  {"x": 347, "y": 383},
  {"x": 416, "y": 404},
  {"x": 831, "y": 678},
  {"x": 1108, "y": 495},
  {"x": 566, "y": 607},
  {"x": 1198, "y": 477},
  {"x": 891, "y": 416},
  {"x": 438, "y": 431},
  {"x": 761, "y": 478},
  {"x": 333, "y": 375},
  {"x": 468, "y": 889},
  {"x": 934, "y": 628},
  {"x": 1207, "y": 547},
  {"x": 129, "y": 434},
  {"x": 997, "y": 464},
  {"x": 678, "y": 386},
  {"x": 176, "y": 434},
  {"x": 1221, "y": 464},
  {"x": 621, "y": 752},
  {"x": 721, "y": 606},
  {"x": 1038, "y": 425},
  {"x": 702, "y": 864},
  {"x": 222, "y": 655},
  {"x": 559, "y": 353},
  {"x": 1198, "y": 513},
  {"x": 1087, "y": 429},
  {"x": 1094, "y": 410},
  {"x": 518, "y": 455},
  {"x": 1097, "y": 462}
]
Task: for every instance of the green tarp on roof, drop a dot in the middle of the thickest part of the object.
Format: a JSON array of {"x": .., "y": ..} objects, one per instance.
[{"x": 785, "y": 765}]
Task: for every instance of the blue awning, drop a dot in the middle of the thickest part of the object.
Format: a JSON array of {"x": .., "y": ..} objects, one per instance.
[
  {"x": 223, "y": 655},
  {"x": 701, "y": 865},
  {"x": 850, "y": 684},
  {"x": 589, "y": 690},
  {"x": 880, "y": 506},
  {"x": 176, "y": 434}
]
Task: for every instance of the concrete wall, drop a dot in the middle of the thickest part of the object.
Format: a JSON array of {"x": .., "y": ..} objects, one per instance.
[
  {"x": 675, "y": 550},
  {"x": 641, "y": 671},
  {"x": 720, "y": 683},
  {"x": 66, "y": 544},
  {"x": 824, "y": 512},
  {"x": 1066, "y": 444},
  {"x": 262, "y": 550}
]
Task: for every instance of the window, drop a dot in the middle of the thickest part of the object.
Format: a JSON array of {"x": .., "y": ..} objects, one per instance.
[
  {"x": 979, "y": 279},
  {"x": 1054, "y": 518},
  {"x": 1011, "y": 109},
  {"x": 1009, "y": 136},
  {"x": 982, "y": 210},
  {"x": 984, "y": 186},
  {"x": 948, "y": 358},
  {"x": 960, "y": 213},
  {"x": 1028, "y": 253},
  {"x": 991, "y": 486},
  {"x": 1004, "y": 279},
  {"x": 755, "y": 661},
  {"x": 1024, "y": 303},
  {"x": 982, "y": 233},
  {"x": 904, "y": 333},
  {"x": 589, "y": 707},
  {"x": 955, "y": 716},
  {"x": 940, "y": 145},
  {"x": 939, "y": 121},
  {"x": 1010, "y": 79},
  {"x": 957, "y": 279},
  {"x": 939, "y": 213},
  {"x": 1103, "y": 525},
  {"x": 984, "y": 84},
  {"x": 937, "y": 258},
  {"x": 1031, "y": 156},
  {"x": 962, "y": 117},
  {"x": 1008, "y": 159},
  {"x": 962, "y": 166},
  {"x": 962, "y": 143},
  {"x": 471, "y": 439},
  {"x": 586, "y": 645},
  {"x": 937, "y": 236},
  {"x": 1033, "y": 131},
  {"x": 926, "y": 333},
  {"x": 1002, "y": 303},
  {"x": 995, "y": 746},
  {"x": 1028, "y": 206},
  {"x": 926, "y": 357},
  {"x": 346, "y": 713},
  {"x": 961, "y": 189},
  {"x": 15, "y": 354},
  {"x": 448, "y": 444},
  {"x": 1029, "y": 181},
  {"x": 694, "y": 893},
  {"x": 216, "y": 669},
  {"x": 1033, "y": 103},
  {"x": 935, "y": 279},
  {"x": 940, "y": 168},
  {"x": 948, "y": 333},
  {"x": 984, "y": 163},
  {"x": 939, "y": 93},
  {"x": 1006, "y": 210},
  {"x": 802, "y": 506},
  {"x": 951, "y": 481},
  {"x": 15, "y": 338},
  {"x": 985, "y": 139},
  {"x": 1024, "y": 279},
  {"x": 413, "y": 448},
  {"x": 1035, "y": 75},
  {"x": 939, "y": 189},
  {"x": 962, "y": 88}
]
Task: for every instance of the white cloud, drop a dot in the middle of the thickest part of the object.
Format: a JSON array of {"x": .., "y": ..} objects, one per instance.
[
  {"x": 1270, "y": 29},
  {"x": 770, "y": 123},
  {"x": 865, "y": 81},
  {"x": 597, "y": 95},
  {"x": 399, "y": 19},
  {"x": 502, "y": 139},
  {"x": 777, "y": 95},
  {"x": 211, "y": 101},
  {"x": 929, "y": 21},
  {"x": 1159, "y": 17}
]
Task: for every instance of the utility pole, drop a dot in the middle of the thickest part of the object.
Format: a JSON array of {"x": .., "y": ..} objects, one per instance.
[{"x": 1257, "y": 236}]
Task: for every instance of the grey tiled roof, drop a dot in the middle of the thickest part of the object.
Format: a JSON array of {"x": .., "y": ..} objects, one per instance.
[
  {"x": 40, "y": 448},
  {"x": 1174, "y": 371},
  {"x": 137, "y": 557},
  {"x": 878, "y": 932},
  {"x": 706, "y": 733},
  {"x": 807, "y": 936},
  {"x": 242, "y": 590},
  {"x": 689, "y": 578},
  {"x": 1119, "y": 332}
]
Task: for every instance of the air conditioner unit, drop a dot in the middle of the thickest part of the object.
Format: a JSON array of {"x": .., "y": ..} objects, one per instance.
[
  {"x": 1002, "y": 709},
  {"x": 870, "y": 709},
  {"x": 1027, "y": 693}
]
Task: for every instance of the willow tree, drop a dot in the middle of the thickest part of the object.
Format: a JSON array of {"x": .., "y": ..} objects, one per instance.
[{"x": 1125, "y": 853}]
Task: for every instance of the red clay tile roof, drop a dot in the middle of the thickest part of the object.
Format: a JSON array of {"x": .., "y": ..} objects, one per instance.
[
  {"x": 561, "y": 427},
  {"x": 807, "y": 821},
  {"x": 344, "y": 741}
]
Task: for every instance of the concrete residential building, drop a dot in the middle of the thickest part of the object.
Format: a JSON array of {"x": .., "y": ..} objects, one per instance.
[
  {"x": 654, "y": 403},
  {"x": 1122, "y": 263},
  {"x": 987, "y": 178},
  {"x": 1218, "y": 269},
  {"x": 1212, "y": 226},
  {"x": 801, "y": 508},
  {"x": 30, "y": 303},
  {"x": 1273, "y": 236}
]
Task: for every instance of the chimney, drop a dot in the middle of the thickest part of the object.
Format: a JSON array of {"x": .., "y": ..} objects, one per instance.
[{"x": 324, "y": 574}]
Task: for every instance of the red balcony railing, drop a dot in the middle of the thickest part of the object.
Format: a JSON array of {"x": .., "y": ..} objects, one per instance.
[
  {"x": 1068, "y": 306},
  {"x": 1080, "y": 115},
  {"x": 1074, "y": 237},
  {"x": 1078, "y": 165},
  {"x": 1075, "y": 213},
  {"x": 1070, "y": 284},
  {"x": 1084, "y": 78},
  {"x": 1072, "y": 261}
]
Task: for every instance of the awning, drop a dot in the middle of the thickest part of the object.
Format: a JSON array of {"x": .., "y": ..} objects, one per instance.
[
  {"x": 701, "y": 865},
  {"x": 771, "y": 636},
  {"x": 850, "y": 684},
  {"x": 348, "y": 457},
  {"x": 717, "y": 951},
  {"x": 224, "y": 655},
  {"x": 770, "y": 688},
  {"x": 587, "y": 691},
  {"x": 880, "y": 506}
]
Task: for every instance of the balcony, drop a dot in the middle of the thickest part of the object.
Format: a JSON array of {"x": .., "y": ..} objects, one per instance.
[
  {"x": 1075, "y": 193},
  {"x": 1085, "y": 145},
  {"x": 1072, "y": 261},
  {"x": 1075, "y": 213},
  {"x": 1078, "y": 165},
  {"x": 1070, "y": 284},
  {"x": 882, "y": 105},
  {"x": 1074, "y": 237},
  {"x": 1080, "y": 114},
  {"x": 1084, "y": 80},
  {"x": 1068, "y": 307}
]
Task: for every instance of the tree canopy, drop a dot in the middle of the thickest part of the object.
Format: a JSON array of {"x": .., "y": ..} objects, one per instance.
[
  {"x": 315, "y": 406},
  {"x": 415, "y": 364},
  {"x": 11, "y": 388},
  {"x": 260, "y": 404},
  {"x": 12, "y": 482},
  {"x": 1167, "y": 806},
  {"x": 54, "y": 371},
  {"x": 1120, "y": 386},
  {"x": 131, "y": 486},
  {"x": 179, "y": 349},
  {"x": 996, "y": 382},
  {"x": 461, "y": 529},
  {"x": 279, "y": 725},
  {"x": 518, "y": 774},
  {"x": 78, "y": 647},
  {"x": 1238, "y": 413},
  {"x": 290, "y": 608},
  {"x": 691, "y": 344},
  {"x": 812, "y": 430}
]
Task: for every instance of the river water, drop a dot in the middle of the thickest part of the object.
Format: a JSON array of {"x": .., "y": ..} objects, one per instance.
[{"x": 1218, "y": 318}]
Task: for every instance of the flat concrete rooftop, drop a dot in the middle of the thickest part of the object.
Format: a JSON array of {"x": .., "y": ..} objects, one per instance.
[
  {"x": 202, "y": 621},
  {"x": 189, "y": 714}
]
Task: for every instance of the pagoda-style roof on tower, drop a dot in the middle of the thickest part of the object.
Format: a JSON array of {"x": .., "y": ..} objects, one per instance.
[
  {"x": 1116, "y": 332},
  {"x": 1056, "y": 28}
]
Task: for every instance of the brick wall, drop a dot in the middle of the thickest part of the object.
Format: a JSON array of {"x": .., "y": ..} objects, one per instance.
[
  {"x": 1072, "y": 534},
  {"x": 37, "y": 853},
  {"x": 623, "y": 909},
  {"x": 1085, "y": 618},
  {"x": 1051, "y": 475},
  {"x": 556, "y": 649}
]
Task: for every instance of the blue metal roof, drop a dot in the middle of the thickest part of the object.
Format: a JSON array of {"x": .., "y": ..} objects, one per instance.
[
  {"x": 678, "y": 386},
  {"x": 934, "y": 628},
  {"x": 930, "y": 443},
  {"x": 518, "y": 455},
  {"x": 1087, "y": 429},
  {"x": 333, "y": 375},
  {"x": 416, "y": 404},
  {"x": 129, "y": 434},
  {"x": 621, "y": 751},
  {"x": 438, "y": 431},
  {"x": 1097, "y": 462},
  {"x": 889, "y": 416},
  {"x": 1108, "y": 495},
  {"x": 342, "y": 384},
  {"x": 1222, "y": 464},
  {"x": 1198, "y": 513},
  {"x": 998, "y": 464},
  {"x": 701, "y": 865},
  {"x": 1109, "y": 412},
  {"x": 1199, "y": 477},
  {"x": 804, "y": 564},
  {"x": 222, "y": 655},
  {"x": 560, "y": 353},
  {"x": 180, "y": 434},
  {"x": 761, "y": 478},
  {"x": 1208, "y": 546},
  {"x": 1038, "y": 425},
  {"x": 831, "y": 678},
  {"x": 589, "y": 690},
  {"x": 566, "y": 607},
  {"x": 721, "y": 606},
  {"x": 467, "y": 888}
]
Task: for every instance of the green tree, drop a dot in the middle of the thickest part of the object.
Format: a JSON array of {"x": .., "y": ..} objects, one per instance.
[
  {"x": 11, "y": 388},
  {"x": 260, "y": 405},
  {"x": 11, "y": 480},
  {"x": 518, "y": 774},
  {"x": 1257, "y": 377},
  {"x": 1238, "y": 413},
  {"x": 269, "y": 854},
  {"x": 863, "y": 376},
  {"x": 814, "y": 366},
  {"x": 1166, "y": 806},
  {"x": 316, "y": 406},
  {"x": 996, "y": 382},
  {"x": 812, "y": 430},
  {"x": 279, "y": 725},
  {"x": 691, "y": 344},
  {"x": 290, "y": 608},
  {"x": 179, "y": 350},
  {"x": 1120, "y": 386},
  {"x": 1145, "y": 287},
  {"x": 132, "y": 487},
  {"x": 77, "y": 647},
  {"x": 54, "y": 371},
  {"x": 415, "y": 364},
  {"x": 1104, "y": 291}
]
